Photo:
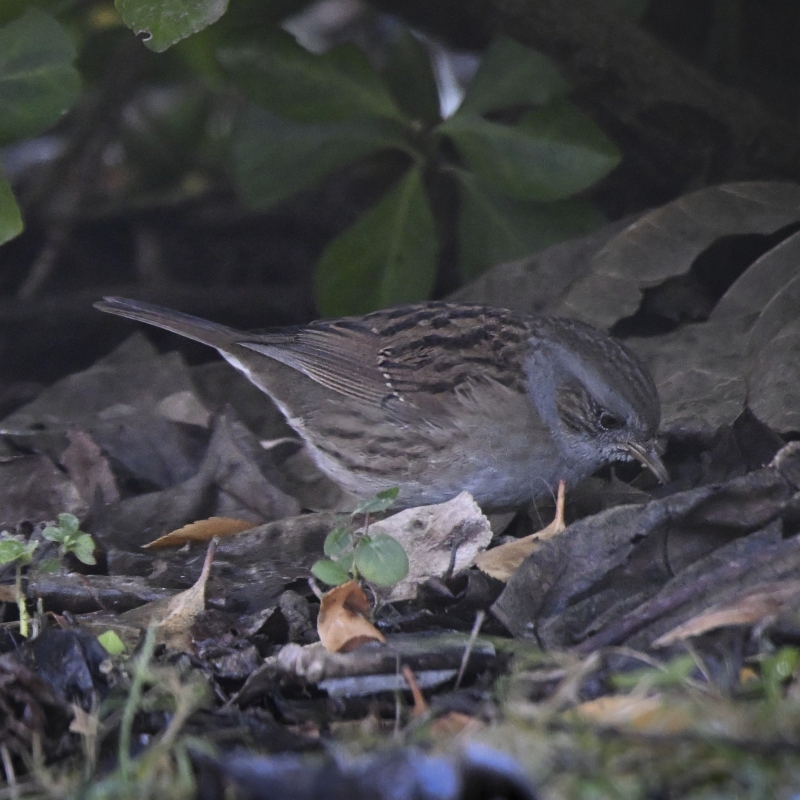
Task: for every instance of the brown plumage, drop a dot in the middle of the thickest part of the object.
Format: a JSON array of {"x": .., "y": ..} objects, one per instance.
[{"x": 436, "y": 397}]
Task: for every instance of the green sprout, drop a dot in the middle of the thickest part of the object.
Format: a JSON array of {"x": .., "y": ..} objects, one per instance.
[
  {"x": 16, "y": 550},
  {"x": 71, "y": 538},
  {"x": 379, "y": 559}
]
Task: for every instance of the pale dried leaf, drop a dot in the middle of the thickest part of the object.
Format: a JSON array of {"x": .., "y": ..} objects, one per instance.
[
  {"x": 431, "y": 535},
  {"x": 760, "y": 603},
  {"x": 651, "y": 714},
  {"x": 203, "y": 530},
  {"x": 501, "y": 562},
  {"x": 174, "y": 615}
]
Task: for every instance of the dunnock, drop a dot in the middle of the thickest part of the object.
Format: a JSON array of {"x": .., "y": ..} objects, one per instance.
[{"x": 436, "y": 398}]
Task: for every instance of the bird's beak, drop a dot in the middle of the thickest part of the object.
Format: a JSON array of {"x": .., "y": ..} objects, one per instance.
[{"x": 647, "y": 456}]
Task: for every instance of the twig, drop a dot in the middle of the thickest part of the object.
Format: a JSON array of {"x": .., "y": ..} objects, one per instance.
[{"x": 473, "y": 636}]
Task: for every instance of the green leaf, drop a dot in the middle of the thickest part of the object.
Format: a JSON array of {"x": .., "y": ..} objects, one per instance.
[
  {"x": 112, "y": 643},
  {"x": 53, "y": 534},
  {"x": 274, "y": 158},
  {"x": 380, "y": 502},
  {"x": 381, "y": 560},
  {"x": 410, "y": 78},
  {"x": 387, "y": 257},
  {"x": 345, "y": 561},
  {"x": 13, "y": 548},
  {"x": 330, "y": 572},
  {"x": 553, "y": 153},
  {"x": 38, "y": 83},
  {"x": 337, "y": 541},
  {"x": 776, "y": 669},
  {"x": 68, "y": 523},
  {"x": 289, "y": 80},
  {"x": 511, "y": 75},
  {"x": 161, "y": 23},
  {"x": 83, "y": 548},
  {"x": 494, "y": 228},
  {"x": 10, "y": 217}
]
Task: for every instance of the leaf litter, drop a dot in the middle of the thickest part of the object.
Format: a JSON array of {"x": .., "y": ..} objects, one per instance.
[{"x": 650, "y": 648}]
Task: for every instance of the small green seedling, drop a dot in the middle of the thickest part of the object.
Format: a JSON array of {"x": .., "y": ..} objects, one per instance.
[
  {"x": 71, "y": 538},
  {"x": 18, "y": 551},
  {"x": 379, "y": 559}
]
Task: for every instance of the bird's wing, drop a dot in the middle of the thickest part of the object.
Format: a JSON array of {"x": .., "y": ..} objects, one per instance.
[{"x": 422, "y": 355}]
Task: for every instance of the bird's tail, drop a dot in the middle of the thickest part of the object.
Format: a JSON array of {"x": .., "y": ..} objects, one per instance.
[{"x": 201, "y": 330}]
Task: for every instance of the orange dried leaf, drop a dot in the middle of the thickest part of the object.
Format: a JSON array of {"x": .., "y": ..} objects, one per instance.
[
  {"x": 452, "y": 724},
  {"x": 204, "y": 530},
  {"x": 649, "y": 714},
  {"x": 342, "y": 623},
  {"x": 501, "y": 562},
  {"x": 756, "y": 605}
]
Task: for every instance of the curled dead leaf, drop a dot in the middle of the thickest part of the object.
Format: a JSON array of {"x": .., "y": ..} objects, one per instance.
[
  {"x": 174, "y": 615},
  {"x": 342, "y": 623},
  {"x": 501, "y": 562}
]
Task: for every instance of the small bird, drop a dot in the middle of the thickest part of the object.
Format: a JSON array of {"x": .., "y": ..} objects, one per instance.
[{"x": 436, "y": 398}]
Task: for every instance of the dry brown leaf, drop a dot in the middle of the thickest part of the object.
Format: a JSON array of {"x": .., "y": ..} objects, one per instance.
[
  {"x": 83, "y": 722},
  {"x": 501, "y": 562},
  {"x": 452, "y": 724},
  {"x": 204, "y": 530},
  {"x": 651, "y": 714},
  {"x": 342, "y": 623},
  {"x": 761, "y": 602},
  {"x": 89, "y": 468},
  {"x": 174, "y": 615}
]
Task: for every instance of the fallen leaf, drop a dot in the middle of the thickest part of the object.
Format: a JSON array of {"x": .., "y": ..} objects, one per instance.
[
  {"x": 758, "y": 604},
  {"x": 173, "y": 616},
  {"x": 342, "y": 623},
  {"x": 652, "y": 714},
  {"x": 502, "y": 562},
  {"x": 204, "y": 530},
  {"x": 452, "y": 724},
  {"x": 438, "y": 539},
  {"x": 89, "y": 468},
  {"x": 83, "y": 722}
]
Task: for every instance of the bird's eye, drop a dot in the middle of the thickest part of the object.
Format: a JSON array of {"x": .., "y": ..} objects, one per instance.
[{"x": 610, "y": 422}]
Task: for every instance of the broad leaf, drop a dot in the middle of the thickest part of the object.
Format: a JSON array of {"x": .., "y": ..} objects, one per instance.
[
  {"x": 112, "y": 643},
  {"x": 330, "y": 572},
  {"x": 410, "y": 78},
  {"x": 337, "y": 541},
  {"x": 494, "y": 228},
  {"x": 553, "y": 153},
  {"x": 14, "y": 548},
  {"x": 10, "y": 218},
  {"x": 162, "y": 23},
  {"x": 38, "y": 83},
  {"x": 511, "y": 75},
  {"x": 380, "y": 502},
  {"x": 295, "y": 83},
  {"x": 382, "y": 560},
  {"x": 274, "y": 158},
  {"x": 387, "y": 257}
]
